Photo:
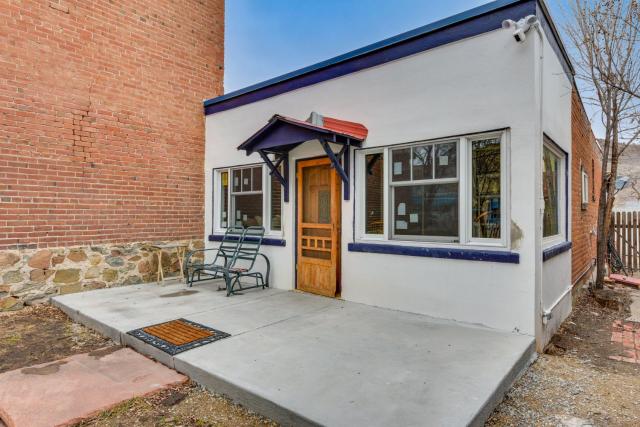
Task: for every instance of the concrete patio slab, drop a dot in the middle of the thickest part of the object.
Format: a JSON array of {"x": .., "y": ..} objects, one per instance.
[
  {"x": 305, "y": 359},
  {"x": 68, "y": 390}
]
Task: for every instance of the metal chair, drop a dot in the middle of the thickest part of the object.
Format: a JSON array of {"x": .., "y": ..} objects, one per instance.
[
  {"x": 225, "y": 253},
  {"x": 243, "y": 263}
]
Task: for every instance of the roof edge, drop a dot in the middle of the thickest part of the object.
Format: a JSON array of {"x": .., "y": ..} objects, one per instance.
[
  {"x": 388, "y": 42},
  {"x": 330, "y": 68}
]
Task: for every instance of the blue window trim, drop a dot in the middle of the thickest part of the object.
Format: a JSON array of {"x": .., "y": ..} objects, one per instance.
[
  {"x": 555, "y": 250},
  {"x": 449, "y": 253},
  {"x": 467, "y": 24},
  {"x": 266, "y": 241}
]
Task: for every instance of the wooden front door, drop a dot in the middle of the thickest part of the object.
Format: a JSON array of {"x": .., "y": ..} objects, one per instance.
[{"x": 318, "y": 227}]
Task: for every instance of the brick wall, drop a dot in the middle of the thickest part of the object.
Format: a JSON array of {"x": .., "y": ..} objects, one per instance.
[
  {"x": 585, "y": 154},
  {"x": 101, "y": 122}
]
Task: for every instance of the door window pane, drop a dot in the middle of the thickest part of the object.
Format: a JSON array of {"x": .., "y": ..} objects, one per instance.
[
  {"x": 550, "y": 183},
  {"x": 446, "y": 160},
  {"x": 400, "y": 159},
  {"x": 422, "y": 162},
  {"x": 485, "y": 188},
  {"x": 224, "y": 198},
  {"x": 248, "y": 209},
  {"x": 426, "y": 210},
  {"x": 374, "y": 193},
  {"x": 316, "y": 191}
]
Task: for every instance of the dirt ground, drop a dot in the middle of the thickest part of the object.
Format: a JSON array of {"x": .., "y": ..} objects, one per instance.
[
  {"x": 42, "y": 333},
  {"x": 575, "y": 383},
  {"x": 185, "y": 405}
]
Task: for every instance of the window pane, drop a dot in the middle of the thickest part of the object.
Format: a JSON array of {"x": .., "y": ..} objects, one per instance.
[
  {"x": 237, "y": 180},
  {"x": 400, "y": 164},
  {"x": 550, "y": 189},
  {"x": 374, "y": 193},
  {"x": 224, "y": 198},
  {"x": 446, "y": 160},
  {"x": 276, "y": 204},
  {"x": 246, "y": 179},
  {"x": 485, "y": 188},
  {"x": 426, "y": 210},
  {"x": 316, "y": 191},
  {"x": 248, "y": 209},
  {"x": 256, "y": 179},
  {"x": 422, "y": 162}
]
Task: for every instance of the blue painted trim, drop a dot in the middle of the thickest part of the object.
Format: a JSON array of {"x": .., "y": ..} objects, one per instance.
[
  {"x": 463, "y": 254},
  {"x": 265, "y": 241},
  {"x": 471, "y": 23},
  {"x": 555, "y": 250}
]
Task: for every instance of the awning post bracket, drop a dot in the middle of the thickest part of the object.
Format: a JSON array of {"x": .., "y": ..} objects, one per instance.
[
  {"x": 273, "y": 170},
  {"x": 342, "y": 169}
]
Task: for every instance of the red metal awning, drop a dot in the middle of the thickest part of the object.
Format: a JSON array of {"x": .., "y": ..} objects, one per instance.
[{"x": 282, "y": 134}]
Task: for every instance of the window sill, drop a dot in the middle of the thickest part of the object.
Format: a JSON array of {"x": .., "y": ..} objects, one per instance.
[
  {"x": 266, "y": 241},
  {"x": 449, "y": 253},
  {"x": 555, "y": 250}
]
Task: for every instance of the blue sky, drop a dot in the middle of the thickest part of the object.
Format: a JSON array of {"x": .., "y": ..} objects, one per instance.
[{"x": 267, "y": 38}]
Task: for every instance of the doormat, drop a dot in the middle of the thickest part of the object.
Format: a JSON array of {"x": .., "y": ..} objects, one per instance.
[{"x": 179, "y": 335}]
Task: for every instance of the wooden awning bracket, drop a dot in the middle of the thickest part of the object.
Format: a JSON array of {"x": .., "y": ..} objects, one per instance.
[
  {"x": 281, "y": 158},
  {"x": 341, "y": 168}
]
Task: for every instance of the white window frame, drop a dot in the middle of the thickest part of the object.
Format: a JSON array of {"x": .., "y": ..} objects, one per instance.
[
  {"x": 464, "y": 194},
  {"x": 410, "y": 182},
  {"x": 549, "y": 241},
  {"x": 266, "y": 199},
  {"x": 585, "y": 186},
  {"x": 504, "y": 159}
]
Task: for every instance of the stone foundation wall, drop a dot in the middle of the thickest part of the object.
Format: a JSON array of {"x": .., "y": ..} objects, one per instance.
[{"x": 34, "y": 275}]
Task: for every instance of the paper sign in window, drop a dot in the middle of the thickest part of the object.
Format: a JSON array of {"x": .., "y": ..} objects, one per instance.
[
  {"x": 402, "y": 209},
  {"x": 444, "y": 160},
  {"x": 397, "y": 168},
  {"x": 413, "y": 218},
  {"x": 401, "y": 225}
]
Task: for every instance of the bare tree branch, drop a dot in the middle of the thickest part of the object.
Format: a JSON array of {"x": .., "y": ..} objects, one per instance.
[{"x": 606, "y": 38}]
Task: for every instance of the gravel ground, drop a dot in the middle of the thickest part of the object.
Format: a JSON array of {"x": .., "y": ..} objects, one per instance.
[{"x": 575, "y": 383}]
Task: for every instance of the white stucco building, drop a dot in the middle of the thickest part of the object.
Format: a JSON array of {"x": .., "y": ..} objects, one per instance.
[{"x": 448, "y": 195}]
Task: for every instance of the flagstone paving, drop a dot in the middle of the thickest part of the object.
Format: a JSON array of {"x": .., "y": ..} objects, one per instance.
[{"x": 70, "y": 389}]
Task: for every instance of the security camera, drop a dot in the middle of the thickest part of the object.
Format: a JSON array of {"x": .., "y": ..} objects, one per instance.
[
  {"x": 508, "y": 24},
  {"x": 521, "y": 27},
  {"x": 520, "y": 35}
]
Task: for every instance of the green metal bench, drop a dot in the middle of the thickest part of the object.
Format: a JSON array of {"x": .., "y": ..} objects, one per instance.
[
  {"x": 235, "y": 259},
  {"x": 229, "y": 245},
  {"x": 243, "y": 263}
]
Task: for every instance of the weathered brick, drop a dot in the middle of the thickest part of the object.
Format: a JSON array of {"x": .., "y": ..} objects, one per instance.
[
  {"x": 585, "y": 154},
  {"x": 101, "y": 121}
]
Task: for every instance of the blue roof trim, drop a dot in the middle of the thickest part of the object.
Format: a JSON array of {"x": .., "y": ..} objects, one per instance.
[
  {"x": 462, "y": 254},
  {"x": 556, "y": 250},
  {"x": 439, "y": 33}
]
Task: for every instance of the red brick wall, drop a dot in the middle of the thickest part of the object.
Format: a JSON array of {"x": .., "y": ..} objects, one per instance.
[
  {"x": 101, "y": 119},
  {"x": 585, "y": 154}
]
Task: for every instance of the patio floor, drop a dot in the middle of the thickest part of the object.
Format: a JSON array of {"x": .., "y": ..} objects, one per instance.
[{"x": 303, "y": 359}]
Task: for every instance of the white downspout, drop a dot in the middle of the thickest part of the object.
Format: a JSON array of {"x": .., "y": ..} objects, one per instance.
[{"x": 539, "y": 197}]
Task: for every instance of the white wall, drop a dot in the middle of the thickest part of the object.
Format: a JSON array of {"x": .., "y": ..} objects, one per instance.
[
  {"x": 478, "y": 84},
  {"x": 556, "y": 272}
]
